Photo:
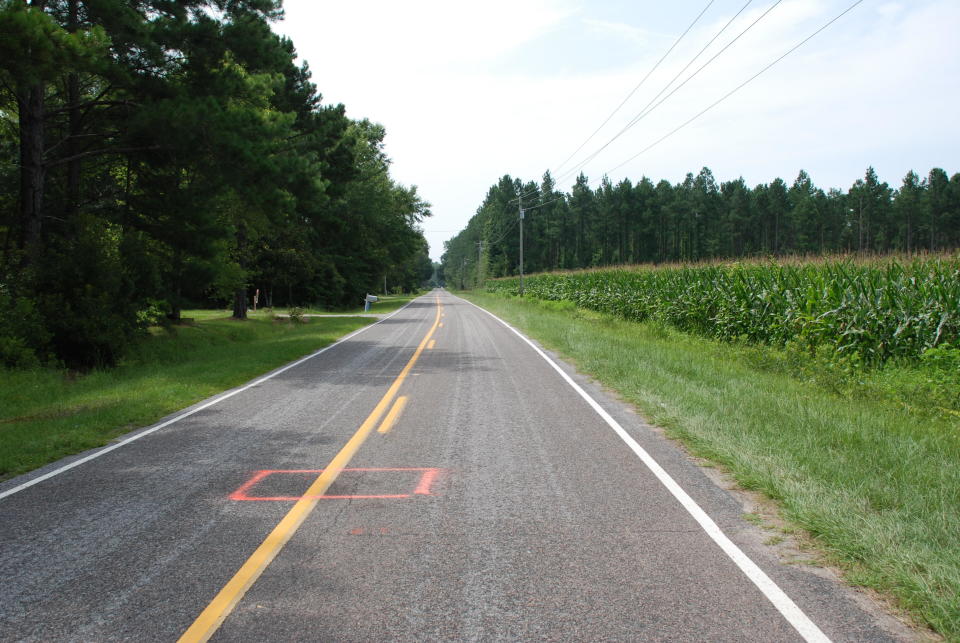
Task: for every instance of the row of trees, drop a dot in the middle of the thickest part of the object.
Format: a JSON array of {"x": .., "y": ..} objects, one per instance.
[
  {"x": 697, "y": 219},
  {"x": 155, "y": 154}
]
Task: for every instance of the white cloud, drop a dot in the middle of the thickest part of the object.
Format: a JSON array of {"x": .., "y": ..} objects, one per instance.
[{"x": 622, "y": 30}]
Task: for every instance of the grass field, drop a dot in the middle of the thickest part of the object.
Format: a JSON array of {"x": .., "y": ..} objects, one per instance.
[
  {"x": 386, "y": 304},
  {"x": 873, "y": 481},
  {"x": 46, "y": 414}
]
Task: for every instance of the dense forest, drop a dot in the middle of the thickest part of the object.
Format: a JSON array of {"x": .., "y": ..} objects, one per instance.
[
  {"x": 697, "y": 220},
  {"x": 158, "y": 154}
]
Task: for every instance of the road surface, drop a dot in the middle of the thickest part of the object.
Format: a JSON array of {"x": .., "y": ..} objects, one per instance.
[{"x": 431, "y": 477}]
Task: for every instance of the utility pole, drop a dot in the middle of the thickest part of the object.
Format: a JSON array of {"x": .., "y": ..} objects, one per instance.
[
  {"x": 463, "y": 266},
  {"x": 479, "y": 260},
  {"x": 521, "y": 243}
]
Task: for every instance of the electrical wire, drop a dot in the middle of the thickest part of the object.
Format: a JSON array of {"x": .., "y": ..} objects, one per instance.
[
  {"x": 645, "y": 111},
  {"x": 505, "y": 232},
  {"x": 736, "y": 89},
  {"x": 648, "y": 109},
  {"x": 718, "y": 101},
  {"x": 562, "y": 197},
  {"x": 639, "y": 85}
]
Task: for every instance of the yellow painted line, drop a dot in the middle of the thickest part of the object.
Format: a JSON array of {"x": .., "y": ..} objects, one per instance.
[
  {"x": 392, "y": 416},
  {"x": 223, "y": 603},
  {"x": 432, "y": 343}
]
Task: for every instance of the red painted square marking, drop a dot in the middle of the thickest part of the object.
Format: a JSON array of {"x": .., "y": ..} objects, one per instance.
[{"x": 428, "y": 476}]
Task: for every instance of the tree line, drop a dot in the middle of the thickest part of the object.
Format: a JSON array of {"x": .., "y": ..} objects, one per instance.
[
  {"x": 156, "y": 155},
  {"x": 697, "y": 219}
]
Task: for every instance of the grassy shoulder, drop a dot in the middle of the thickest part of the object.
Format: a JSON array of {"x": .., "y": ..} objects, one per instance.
[
  {"x": 385, "y": 304},
  {"x": 46, "y": 414},
  {"x": 874, "y": 481}
]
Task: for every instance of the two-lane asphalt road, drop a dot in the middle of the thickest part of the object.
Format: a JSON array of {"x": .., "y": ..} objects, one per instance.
[{"x": 432, "y": 477}]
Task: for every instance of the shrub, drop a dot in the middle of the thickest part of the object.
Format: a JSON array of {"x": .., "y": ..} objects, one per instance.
[
  {"x": 24, "y": 339},
  {"x": 155, "y": 314},
  {"x": 297, "y": 315}
]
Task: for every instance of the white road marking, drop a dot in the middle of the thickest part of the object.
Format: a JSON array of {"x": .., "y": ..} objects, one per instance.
[
  {"x": 108, "y": 449},
  {"x": 784, "y": 604}
]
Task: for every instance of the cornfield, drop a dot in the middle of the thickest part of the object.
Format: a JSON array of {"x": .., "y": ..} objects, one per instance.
[{"x": 872, "y": 311}]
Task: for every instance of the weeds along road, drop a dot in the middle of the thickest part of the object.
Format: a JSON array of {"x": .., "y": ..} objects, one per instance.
[{"x": 432, "y": 477}]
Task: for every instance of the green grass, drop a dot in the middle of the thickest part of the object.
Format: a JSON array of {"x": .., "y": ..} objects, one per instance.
[
  {"x": 46, "y": 414},
  {"x": 874, "y": 482},
  {"x": 386, "y": 304}
]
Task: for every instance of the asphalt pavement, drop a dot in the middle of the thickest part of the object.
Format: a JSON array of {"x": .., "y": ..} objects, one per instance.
[{"x": 432, "y": 477}]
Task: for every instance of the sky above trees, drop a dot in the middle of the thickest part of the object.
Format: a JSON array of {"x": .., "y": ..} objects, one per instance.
[{"x": 468, "y": 92}]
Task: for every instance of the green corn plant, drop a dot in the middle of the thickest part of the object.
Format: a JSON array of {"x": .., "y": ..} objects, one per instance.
[{"x": 871, "y": 311}]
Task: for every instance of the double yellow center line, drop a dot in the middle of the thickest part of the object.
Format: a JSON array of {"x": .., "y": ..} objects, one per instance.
[{"x": 223, "y": 603}]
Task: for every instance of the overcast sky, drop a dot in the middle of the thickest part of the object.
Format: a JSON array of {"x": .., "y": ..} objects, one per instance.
[{"x": 469, "y": 92}]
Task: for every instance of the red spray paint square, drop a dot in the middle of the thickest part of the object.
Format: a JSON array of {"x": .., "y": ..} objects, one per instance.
[{"x": 424, "y": 482}]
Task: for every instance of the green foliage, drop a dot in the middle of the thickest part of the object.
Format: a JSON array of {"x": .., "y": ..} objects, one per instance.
[
  {"x": 42, "y": 48},
  {"x": 943, "y": 358},
  {"x": 697, "y": 219},
  {"x": 24, "y": 339},
  {"x": 863, "y": 312},
  {"x": 85, "y": 298},
  {"x": 296, "y": 315},
  {"x": 177, "y": 154},
  {"x": 155, "y": 314}
]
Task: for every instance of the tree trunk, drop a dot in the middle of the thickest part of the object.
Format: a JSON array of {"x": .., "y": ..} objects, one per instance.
[
  {"x": 5, "y": 257},
  {"x": 240, "y": 303},
  {"x": 32, "y": 169},
  {"x": 240, "y": 294},
  {"x": 73, "y": 149},
  {"x": 176, "y": 307},
  {"x": 73, "y": 141}
]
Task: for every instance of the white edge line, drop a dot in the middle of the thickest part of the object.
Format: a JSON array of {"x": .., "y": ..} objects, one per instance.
[
  {"x": 206, "y": 405},
  {"x": 784, "y": 604}
]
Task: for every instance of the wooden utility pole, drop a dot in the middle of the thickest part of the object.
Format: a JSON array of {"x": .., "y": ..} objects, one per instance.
[
  {"x": 521, "y": 244},
  {"x": 479, "y": 260}
]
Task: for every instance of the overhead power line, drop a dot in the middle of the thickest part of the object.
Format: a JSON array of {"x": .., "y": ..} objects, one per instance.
[
  {"x": 736, "y": 89},
  {"x": 646, "y": 108},
  {"x": 505, "y": 232},
  {"x": 638, "y": 86},
  {"x": 717, "y": 102},
  {"x": 651, "y": 106}
]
